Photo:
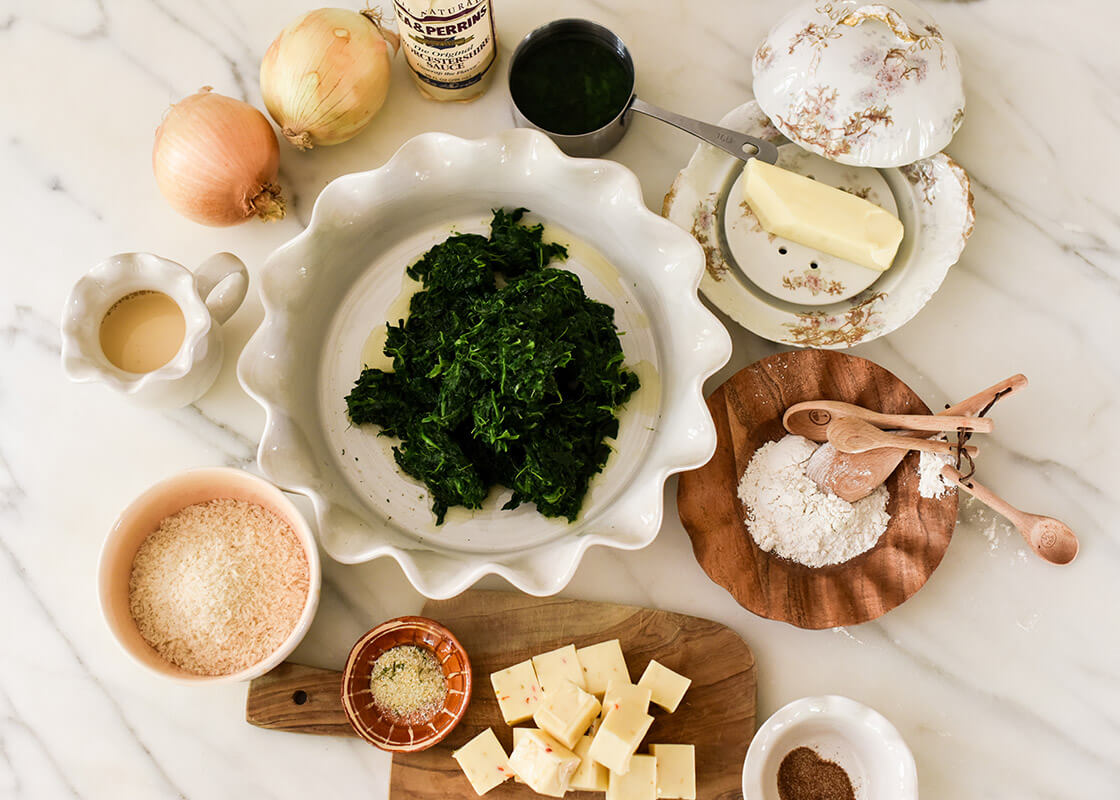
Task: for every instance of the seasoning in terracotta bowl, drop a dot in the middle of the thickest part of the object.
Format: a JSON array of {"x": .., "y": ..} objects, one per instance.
[{"x": 407, "y": 684}]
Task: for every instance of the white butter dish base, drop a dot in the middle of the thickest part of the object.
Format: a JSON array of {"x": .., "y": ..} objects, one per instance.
[{"x": 932, "y": 197}]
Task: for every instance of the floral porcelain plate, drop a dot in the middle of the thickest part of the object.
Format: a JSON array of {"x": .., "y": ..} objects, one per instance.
[
  {"x": 807, "y": 299},
  {"x": 868, "y": 84},
  {"x": 328, "y": 294}
]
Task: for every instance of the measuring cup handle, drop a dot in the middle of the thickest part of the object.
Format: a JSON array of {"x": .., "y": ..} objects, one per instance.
[
  {"x": 740, "y": 145},
  {"x": 222, "y": 282}
]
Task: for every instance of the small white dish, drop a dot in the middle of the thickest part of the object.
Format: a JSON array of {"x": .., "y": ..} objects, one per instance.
[
  {"x": 932, "y": 197},
  {"x": 869, "y": 84},
  {"x": 207, "y": 298},
  {"x": 861, "y": 740},
  {"x": 327, "y": 289},
  {"x": 143, "y": 516}
]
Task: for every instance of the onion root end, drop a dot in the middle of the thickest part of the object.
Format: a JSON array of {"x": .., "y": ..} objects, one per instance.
[
  {"x": 301, "y": 139},
  {"x": 269, "y": 203}
]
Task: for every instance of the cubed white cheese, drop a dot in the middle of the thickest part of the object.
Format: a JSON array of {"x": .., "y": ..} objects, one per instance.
[
  {"x": 676, "y": 771},
  {"x": 518, "y": 692},
  {"x": 591, "y": 776},
  {"x": 484, "y": 762},
  {"x": 618, "y": 738},
  {"x": 666, "y": 687},
  {"x": 602, "y": 663},
  {"x": 565, "y": 712},
  {"x": 518, "y": 735},
  {"x": 640, "y": 783},
  {"x": 623, "y": 694},
  {"x": 820, "y": 216},
  {"x": 543, "y": 763},
  {"x": 557, "y": 666}
]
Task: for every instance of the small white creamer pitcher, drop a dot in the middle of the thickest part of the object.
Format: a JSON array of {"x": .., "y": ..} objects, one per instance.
[{"x": 207, "y": 298}]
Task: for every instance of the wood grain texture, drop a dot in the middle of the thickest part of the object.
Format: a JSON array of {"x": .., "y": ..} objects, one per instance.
[
  {"x": 298, "y": 699},
  {"x": 748, "y": 410},
  {"x": 499, "y": 629}
]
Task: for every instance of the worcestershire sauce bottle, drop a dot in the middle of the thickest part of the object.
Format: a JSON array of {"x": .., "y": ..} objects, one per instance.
[{"x": 450, "y": 46}]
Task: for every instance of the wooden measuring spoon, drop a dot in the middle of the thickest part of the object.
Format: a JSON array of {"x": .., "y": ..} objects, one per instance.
[
  {"x": 1051, "y": 539},
  {"x": 854, "y": 476},
  {"x": 811, "y": 420},
  {"x": 850, "y": 435}
]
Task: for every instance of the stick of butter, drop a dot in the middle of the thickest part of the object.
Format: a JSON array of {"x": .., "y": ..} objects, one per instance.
[{"x": 819, "y": 216}]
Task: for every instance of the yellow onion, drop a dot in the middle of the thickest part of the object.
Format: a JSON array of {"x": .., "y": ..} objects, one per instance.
[
  {"x": 216, "y": 160},
  {"x": 327, "y": 74}
]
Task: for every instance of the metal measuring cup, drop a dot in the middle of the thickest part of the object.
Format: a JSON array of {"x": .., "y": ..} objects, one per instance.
[{"x": 595, "y": 143}]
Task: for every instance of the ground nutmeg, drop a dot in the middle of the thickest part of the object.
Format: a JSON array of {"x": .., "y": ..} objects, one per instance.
[{"x": 804, "y": 775}]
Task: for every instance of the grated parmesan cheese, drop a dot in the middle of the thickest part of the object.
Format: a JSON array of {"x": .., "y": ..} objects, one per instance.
[{"x": 218, "y": 586}]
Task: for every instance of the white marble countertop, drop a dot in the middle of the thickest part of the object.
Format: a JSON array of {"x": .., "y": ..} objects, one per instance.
[{"x": 1002, "y": 673}]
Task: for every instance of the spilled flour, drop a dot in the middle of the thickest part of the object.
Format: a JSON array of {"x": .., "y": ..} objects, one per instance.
[
  {"x": 930, "y": 482},
  {"x": 788, "y": 515}
]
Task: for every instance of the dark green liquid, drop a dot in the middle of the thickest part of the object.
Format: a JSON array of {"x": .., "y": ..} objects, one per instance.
[{"x": 570, "y": 85}]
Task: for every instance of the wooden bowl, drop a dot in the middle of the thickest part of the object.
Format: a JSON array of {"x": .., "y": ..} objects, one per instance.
[
  {"x": 383, "y": 730},
  {"x": 747, "y": 410}
]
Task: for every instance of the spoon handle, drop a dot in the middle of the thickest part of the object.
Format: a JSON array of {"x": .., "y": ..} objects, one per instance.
[
  {"x": 975, "y": 404},
  {"x": 934, "y": 446},
  {"x": 972, "y": 406},
  {"x": 843, "y": 436},
  {"x": 740, "y": 145},
  {"x": 931, "y": 423},
  {"x": 989, "y": 498}
]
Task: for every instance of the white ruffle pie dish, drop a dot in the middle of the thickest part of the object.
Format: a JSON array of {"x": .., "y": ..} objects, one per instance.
[
  {"x": 810, "y": 299},
  {"x": 327, "y": 289},
  {"x": 868, "y": 84}
]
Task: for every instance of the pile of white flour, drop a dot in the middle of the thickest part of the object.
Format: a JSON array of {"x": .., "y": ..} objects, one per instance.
[
  {"x": 789, "y": 516},
  {"x": 930, "y": 482}
]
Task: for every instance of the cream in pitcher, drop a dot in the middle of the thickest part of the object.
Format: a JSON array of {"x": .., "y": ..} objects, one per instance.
[{"x": 142, "y": 331}]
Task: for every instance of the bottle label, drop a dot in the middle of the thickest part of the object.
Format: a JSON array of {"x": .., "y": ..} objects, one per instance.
[{"x": 450, "y": 46}]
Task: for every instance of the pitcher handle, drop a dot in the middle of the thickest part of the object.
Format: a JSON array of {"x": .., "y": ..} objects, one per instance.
[{"x": 222, "y": 282}]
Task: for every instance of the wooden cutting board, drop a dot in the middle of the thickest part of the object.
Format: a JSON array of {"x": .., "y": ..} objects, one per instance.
[{"x": 499, "y": 629}]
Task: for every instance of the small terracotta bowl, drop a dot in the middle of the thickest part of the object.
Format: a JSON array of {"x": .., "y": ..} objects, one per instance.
[
  {"x": 143, "y": 516},
  {"x": 382, "y": 730}
]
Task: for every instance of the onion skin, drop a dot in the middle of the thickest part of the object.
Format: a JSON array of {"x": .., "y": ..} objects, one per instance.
[
  {"x": 326, "y": 75},
  {"x": 216, "y": 161}
]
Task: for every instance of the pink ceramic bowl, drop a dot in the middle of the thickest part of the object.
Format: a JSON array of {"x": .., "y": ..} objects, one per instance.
[{"x": 143, "y": 516}]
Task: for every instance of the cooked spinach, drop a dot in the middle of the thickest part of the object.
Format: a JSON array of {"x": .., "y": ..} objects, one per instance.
[{"x": 512, "y": 381}]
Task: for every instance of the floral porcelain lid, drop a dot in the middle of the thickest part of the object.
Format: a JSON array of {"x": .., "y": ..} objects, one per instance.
[{"x": 867, "y": 84}]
